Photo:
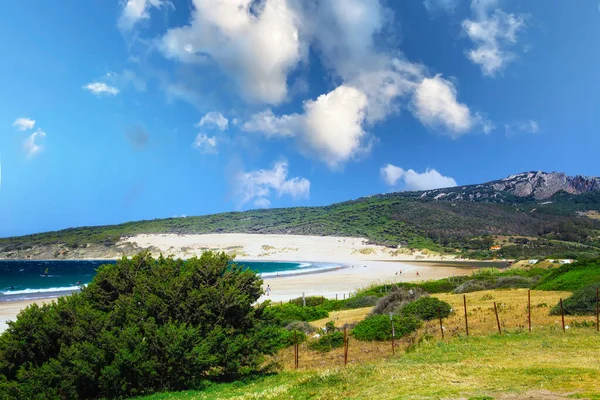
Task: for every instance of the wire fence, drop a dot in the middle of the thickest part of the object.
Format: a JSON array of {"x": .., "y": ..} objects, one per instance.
[{"x": 353, "y": 351}]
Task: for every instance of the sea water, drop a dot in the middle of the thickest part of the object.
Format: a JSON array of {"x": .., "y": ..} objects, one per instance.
[{"x": 27, "y": 279}]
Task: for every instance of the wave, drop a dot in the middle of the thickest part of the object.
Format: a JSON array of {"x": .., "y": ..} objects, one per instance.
[
  {"x": 315, "y": 268},
  {"x": 44, "y": 290}
]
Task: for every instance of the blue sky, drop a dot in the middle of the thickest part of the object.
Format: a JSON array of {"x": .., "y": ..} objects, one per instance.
[{"x": 112, "y": 111}]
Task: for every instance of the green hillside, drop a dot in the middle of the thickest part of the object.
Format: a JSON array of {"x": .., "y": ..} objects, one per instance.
[{"x": 554, "y": 226}]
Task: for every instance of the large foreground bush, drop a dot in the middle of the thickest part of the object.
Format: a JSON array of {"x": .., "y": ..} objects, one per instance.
[
  {"x": 582, "y": 302},
  {"x": 140, "y": 326},
  {"x": 378, "y": 327}
]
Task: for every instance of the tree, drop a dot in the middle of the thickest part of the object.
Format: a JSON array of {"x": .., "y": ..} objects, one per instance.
[{"x": 142, "y": 325}]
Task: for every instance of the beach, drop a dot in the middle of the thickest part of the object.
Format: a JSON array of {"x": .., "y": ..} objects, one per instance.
[{"x": 351, "y": 263}]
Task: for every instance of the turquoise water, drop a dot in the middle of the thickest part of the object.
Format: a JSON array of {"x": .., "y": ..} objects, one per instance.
[{"x": 29, "y": 279}]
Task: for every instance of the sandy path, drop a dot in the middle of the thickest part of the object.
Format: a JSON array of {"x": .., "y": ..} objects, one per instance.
[{"x": 9, "y": 310}]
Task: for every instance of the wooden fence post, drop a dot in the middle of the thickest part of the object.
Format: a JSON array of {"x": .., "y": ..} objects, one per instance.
[
  {"x": 295, "y": 351},
  {"x": 497, "y": 319},
  {"x": 529, "y": 308},
  {"x": 336, "y": 297},
  {"x": 562, "y": 314},
  {"x": 597, "y": 312},
  {"x": 345, "y": 347},
  {"x": 344, "y": 296},
  {"x": 392, "y": 326},
  {"x": 441, "y": 326},
  {"x": 466, "y": 321}
]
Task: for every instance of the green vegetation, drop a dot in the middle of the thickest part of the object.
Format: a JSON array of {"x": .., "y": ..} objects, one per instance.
[
  {"x": 582, "y": 302},
  {"x": 142, "y": 325},
  {"x": 571, "y": 277},
  {"x": 404, "y": 218},
  {"x": 327, "y": 342},
  {"x": 427, "y": 308},
  {"x": 379, "y": 327}
]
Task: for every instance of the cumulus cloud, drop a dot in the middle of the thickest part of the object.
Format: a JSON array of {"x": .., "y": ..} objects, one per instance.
[
  {"x": 257, "y": 43},
  {"x": 330, "y": 128},
  {"x": 205, "y": 144},
  {"x": 101, "y": 88},
  {"x": 24, "y": 124},
  {"x": 412, "y": 180},
  {"x": 30, "y": 145},
  {"x": 435, "y": 105},
  {"x": 214, "y": 118},
  {"x": 258, "y": 186},
  {"x": 137, "y": 10},
  {"x": 492, "y": 31}
]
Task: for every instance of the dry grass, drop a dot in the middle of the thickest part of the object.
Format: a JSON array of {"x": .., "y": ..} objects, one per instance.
[{"x": 512, "y": 312}]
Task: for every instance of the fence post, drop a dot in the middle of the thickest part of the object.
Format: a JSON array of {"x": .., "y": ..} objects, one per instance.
[
  {"x": 303, "y": 300},
  {"x": 441, "y": 326},
  {"x": 392, "y": 326},
  {"x": 281, "y": 302},
  {"x": 466, "y": 321},
  {"x": 295, "y": 351},
  {"x": 345, "y": 347},
  {"x": 344, "y": 296},
  {"x": 529, "y": 308},
  {"x": 562, "y": 314},
  {"x": 497, "y": 319},
  {"x": 597, "y": 312},
  {"x": 336, "y": 297}
]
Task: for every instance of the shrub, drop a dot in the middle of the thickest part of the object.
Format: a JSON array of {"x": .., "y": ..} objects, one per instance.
[
  {"x": 501, "y": 282},
  {"x": 327, "y": 342},
  {"x": 396, "y": 299},
  {"x": 571, "y": 277},
  {"x": 378, "y": 327},
  {"x": 426, "y": 308},
  {"x": 360, "y": 302},
  {"x": 582, "y": 302},
  {"x": 142, "y": 325},
  {"x": 311, "y": 301},
  {"x": 287, "y": 313},
  {"x": 301, "y": 326}
]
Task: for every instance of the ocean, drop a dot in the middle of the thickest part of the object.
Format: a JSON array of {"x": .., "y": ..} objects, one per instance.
[{"x": 26, "y": 280}]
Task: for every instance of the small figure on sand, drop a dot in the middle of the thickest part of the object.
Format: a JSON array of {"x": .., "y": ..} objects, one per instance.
[
  {"x": 268, "y": 290},
  {"x": 417, "y": 273}
]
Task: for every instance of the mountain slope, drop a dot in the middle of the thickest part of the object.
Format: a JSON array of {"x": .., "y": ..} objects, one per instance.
[{"x": 549, "y": 206}]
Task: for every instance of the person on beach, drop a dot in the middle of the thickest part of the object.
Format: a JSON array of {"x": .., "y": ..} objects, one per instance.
[{"x": 268, "y": 290}]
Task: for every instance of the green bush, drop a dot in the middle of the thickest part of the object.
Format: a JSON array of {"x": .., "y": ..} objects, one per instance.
[
  {"x": 571, "y": 277},
  {"x": 582, "y": 302},
  {"x": 360, "y": 302},
  {"x": 311, "y": 301},
  {"x": 426, "y": 308},
  {"x": 396, "y": 299},
  {"x": 142, "y": 325},
  {"x": 327, "y": 342},
  {"x": 378, "y": 327},
  {"x": 286, "y": 313}
]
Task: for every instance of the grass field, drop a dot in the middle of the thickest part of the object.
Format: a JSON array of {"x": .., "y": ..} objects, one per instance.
[{"x": 544, "y": 364}]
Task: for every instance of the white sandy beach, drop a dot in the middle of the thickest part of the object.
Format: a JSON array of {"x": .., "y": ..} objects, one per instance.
[{"x": 367, "y": 264}]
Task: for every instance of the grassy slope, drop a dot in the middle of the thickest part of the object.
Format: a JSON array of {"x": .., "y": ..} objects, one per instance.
[
  {"x": 385, "y": 219},
  {"x": 484, "y": 363}
]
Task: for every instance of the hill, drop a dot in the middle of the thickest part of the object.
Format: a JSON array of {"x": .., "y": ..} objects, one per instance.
[{"x": 529, "y": 214}]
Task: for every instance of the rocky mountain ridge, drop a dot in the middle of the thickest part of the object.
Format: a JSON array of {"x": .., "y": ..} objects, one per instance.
[{"x": 536, "y": 185}]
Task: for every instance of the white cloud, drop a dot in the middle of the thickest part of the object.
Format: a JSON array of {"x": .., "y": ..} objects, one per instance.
[
  {"x": 258, "y": 47},
  {"x": 30, "y": 145},
  {"x": 330, "y": 128},
  {"x": 260, "y": 185},
  {"x": 24, "y": 124},
  {"x": 492, "y": 30},
  {"x": 529, "y": 126},
  {"x": 101, "y": 88},
  {"x": 262, "y": 203},
  {"x": 137, "y": 10},
  {"x": 205, "y": 144},
  {"x": 430, "y": 179},
  {"x": 391, "y": 174},
  {"x": 435, "y": 105},
  {"x": 214, "y": 118}
]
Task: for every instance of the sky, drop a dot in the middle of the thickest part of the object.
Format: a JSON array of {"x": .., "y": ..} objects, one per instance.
[{"x": 114, "y": 111}]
